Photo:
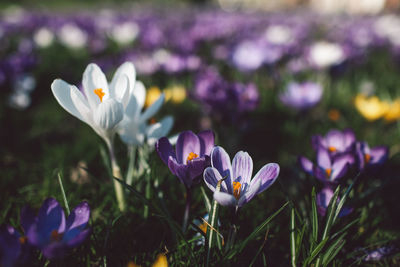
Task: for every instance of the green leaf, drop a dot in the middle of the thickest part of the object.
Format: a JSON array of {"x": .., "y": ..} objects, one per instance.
[
  {"x": 292, "y": 238},
  {"x": 207, "y": 202},
  {"x": 314, "y": 218},
  {"x": 316, "y": 251},
  {"x": 333, "y": 250}
]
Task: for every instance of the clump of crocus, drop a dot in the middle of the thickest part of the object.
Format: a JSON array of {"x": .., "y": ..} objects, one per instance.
[
  {"x": 335, "y": 141},
  {"x": 373, "y": 108},
  {"x": 54, "y": 234},
  {"x": 14, "y": 246},
  {"x": 301, "y": 95},
  {"x": 238, "y": 186},
  {"x": 323, "y": 199},
  {"x": 369, "y": 157}
]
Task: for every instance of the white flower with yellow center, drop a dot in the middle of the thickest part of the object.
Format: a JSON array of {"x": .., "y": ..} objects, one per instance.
[{"x": 102, "y": 105}]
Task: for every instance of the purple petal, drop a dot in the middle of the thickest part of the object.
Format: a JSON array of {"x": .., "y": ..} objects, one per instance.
[
  {"x": 267, "y": 175},
  {"x": 54, "y": 250},
  {"x": 174, "y": 166},
  {"x": 196, "y": 167},
  {"x": 28, "y": 218},
  {"x": 187, "y": 142},
  {"x": 323, "y": 159},
  {"x": 320, "y": 174},
  {"x": 317, "y": 141},
  {"x": 306, "y": 164},
  {"x": 77, "y": 221},
  {"x": 379, "y": 154},
  {"x": 340, "y": 165},
  {"x": 254, "y": 189},
  {"x": 164, "y": 149},
  {"x": 81, "y": 237},
  {"x": 221, "y": 161},
  {"x": 211, "y": 178},
  {"x": 349, "y": 138},
  {"x": 10, "y": 247},
  {"x": 206, "y": 142},
  {"x": 242, "y": 167},
  {"x": 225, "y": 199},
  {"x": 322, "y": 200},
  {"x": 335, "y": 139},
  {"x": 51, "y": 217}
]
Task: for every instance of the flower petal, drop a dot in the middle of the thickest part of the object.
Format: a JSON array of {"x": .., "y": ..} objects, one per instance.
[
  {"x": 139, "y": 92},
  {"x": 164, "y": 149},
  {"x": 340, "y": 165},
  {"x": 206, "y": 142},
  {"x": 152, "y": 110},
  {"x": 79, "y": 239},
  {"x": 254, "y": 189},
  {"x": 181, "y": 171},
  {"x": 94, "y": 78},
  {"x": 28, "y": 219},
  {"x": 77, "y": 221},
  {"x": 108, "y": 114},
  {"x": 225, "y": 199},
  {"x": 121, "y": 90},
  {"x": 211, "y": 178},
  {"x": 128, "y": 69},
  {"x": 267, "y": 175},
  {"x": 306, "y": 164},
  {"x": 62, "y": 92},
  {"x": 242, "y": 167},
  {"x": 159, "y": 129},
  {"x": 379, "y": 154},
  {"x": 221, "y": 161},
  {"x": 323, "y": 159},
  {"x": 187, "y": 142}
]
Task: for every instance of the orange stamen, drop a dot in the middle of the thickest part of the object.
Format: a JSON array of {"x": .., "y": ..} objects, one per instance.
[
  {"x": 203, "y": 227},
  {"x": 332, "y": 149},
  {"x": 99, "y": 92},
  {"x": 55, "y": 236},
  {"x": 152, "y": 121},
  {"x": 191, "y": 156},
  {"x": 23, "y": 240},
  {"x": 367, "y": 158},
  {"x": 328, "y": 172},
  {"x": 236, "y": 189}
]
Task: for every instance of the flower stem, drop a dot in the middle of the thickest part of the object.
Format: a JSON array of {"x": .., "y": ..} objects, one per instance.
[
  {"x": 187, "y": 208},
  {"x": 232, "y": 230},
  {"x": 131, "y": 168},
  {"x": 116, "y": 172}
]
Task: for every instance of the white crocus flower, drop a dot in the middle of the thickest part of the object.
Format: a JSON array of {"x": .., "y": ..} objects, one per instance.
[
  {"x": 134, "y": 129},
  {"x": 102, "y": 105}
]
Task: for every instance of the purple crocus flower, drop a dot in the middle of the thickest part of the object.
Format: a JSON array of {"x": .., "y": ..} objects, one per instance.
[
  {"x": 14, "y": 247},
  {"x": 335, "y": 141},
  {"x": 301, "y": 95},
  {"x": 238, "y": 188},
  {"x": 323, "y": 199},
  {"x": 367, "y": 156},
  {"x": 53, "y": 234},
  {"x": 191, "y": 155},
  {"x": 328, "y": 169}
]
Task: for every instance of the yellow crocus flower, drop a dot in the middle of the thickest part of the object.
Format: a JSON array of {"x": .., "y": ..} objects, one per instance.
[
  {"x": 152, "y": 94},
  {"x": 371, "y": 108},
  {"x": 175, "y": 93},
  {"x": 394, "y": 111}
]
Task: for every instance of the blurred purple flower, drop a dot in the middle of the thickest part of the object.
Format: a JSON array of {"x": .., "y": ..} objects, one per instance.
[
  {"x": 378, "y": 254},
  {"x": 335, "y": 141},
  {"x": 53, "y": 234},
  {"x": 323, "y": 199},
  {"x": 191, "y": 155},
  {"x": 301, "y": 95},
  {"x": 369, "y": 157},
  {"x": 238, "y": 188}
]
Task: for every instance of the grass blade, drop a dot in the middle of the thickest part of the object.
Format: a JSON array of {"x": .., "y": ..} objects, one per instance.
[
  {"x": 314, "y": 218},
  {"x": 63, "y": 193},
  {"x": 292, "y": 238}
]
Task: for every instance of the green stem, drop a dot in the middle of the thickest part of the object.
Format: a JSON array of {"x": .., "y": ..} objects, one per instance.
[
  {"x": 116, "y": 172},
  {"x": 187, "y": 209},
  {"x": 232, "y": 230},
  {"x": 131, "y": 168}
]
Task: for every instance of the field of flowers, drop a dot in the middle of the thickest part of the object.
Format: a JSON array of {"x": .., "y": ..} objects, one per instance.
[{"x": 198, "y": 137}]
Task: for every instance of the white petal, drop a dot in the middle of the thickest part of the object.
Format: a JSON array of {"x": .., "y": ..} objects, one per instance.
[
  {"x": 62, "y": 92},
  {"x": 225, "y": 199},
  {"x": 127, "y": 69},
  {"x": 152, "y": 110},
  {"x": 250, "y": 193},
  {"x": 108, "y": 114},
  {"x": 139, "y": 91},
  {"x": 121, "y": 90},
  {"x": 94, "y": 78},
  {"x": 158, "y": 130},
  {"x": 81, "y": 105}
]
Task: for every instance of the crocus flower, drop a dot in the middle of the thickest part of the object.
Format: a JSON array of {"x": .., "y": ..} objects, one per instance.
[
  {"x": 335, "y": 141},
  {"x": 323, "y": 199},
  {"x": 367, "y": 156},
  {"x": 325, "y": 54},
  {"x": 328, "y": 168},
  {"x": 238, "y": 188},
  {"x": 14, "y": 247},
  {"x": 301, "y": 95},
  {"x": 134, "y": 129},
  {"x": 371, "y": 108},
  {"x": 191, "y": 155},
  {"x": 102, "y": 105},
  {"x": 53, "y": 234}
]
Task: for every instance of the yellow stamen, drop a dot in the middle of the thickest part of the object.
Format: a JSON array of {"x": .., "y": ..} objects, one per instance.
[
  {"x": 332, "y": 149},
  {"x": 191, "y": 156},
  {"x": 236, "y": 189},
  {"x": 328, "y": 172},
  {"x": 23, "y": 240},
  {"x": 55, "y": 236},
  {"x": 99, "y": 92},
  {"x": 367, "y": 158},
  {"x": 203, "y": 227}
]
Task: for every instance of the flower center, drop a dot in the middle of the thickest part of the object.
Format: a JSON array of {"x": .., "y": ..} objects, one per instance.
[
  {"x": 236, "y": 189},
  {"x": 332, "y": 149},
  {"x": 55, "y": 235},
  {"x": 367, "y": 158},
  {"x": 328, "y": 172},
  {"x": 99, "y": 92},
  {"x": 203, "y": 227},
  {"x": 22, "y": 240},
  {"x": 191, "y": 156}
]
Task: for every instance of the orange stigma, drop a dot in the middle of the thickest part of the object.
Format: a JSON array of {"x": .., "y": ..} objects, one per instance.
[
  {"x": 191, "y": 156},
  {"x": 236, "y": 189},
  {"x": 367, "y": 158},
  {"x": 22, "y": 240},
  {"x": 328, "y": 172},
  {"x": 332, "y": 149},
  {"x": 99, "y": 92},
  {"x": 55, "y": 236}
]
